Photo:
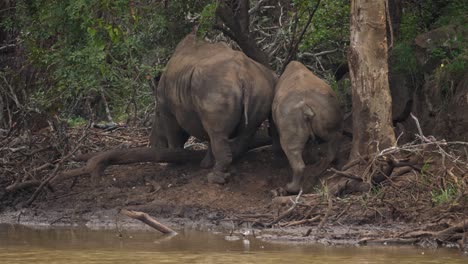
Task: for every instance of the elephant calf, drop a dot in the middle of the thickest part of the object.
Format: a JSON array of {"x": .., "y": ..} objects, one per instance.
[{"x": 305, "y": 107}]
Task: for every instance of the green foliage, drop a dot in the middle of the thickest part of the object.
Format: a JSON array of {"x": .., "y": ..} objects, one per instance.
[
  {"x": 409, "y": 27},
  {"x": 85, "y": 47},
  {"x": 426, "y": 166},
  {"x": 452, "y": 56},
  {"x": 454, "y": 13},
  {"x": 329, "y": 31},
  {"x": 342, "y": 89},
  {"x": 446, "y": 57},
  {"x": 330, "y": 27},
  {"x": 405, "y": 60},
  {"x": 425, "y": 170},
  {"x": 89, "y": 46},
  {"x": 443, "y": 196},
  {"x": 207, "y": 18},
  {"x": 76, "y": 121}
]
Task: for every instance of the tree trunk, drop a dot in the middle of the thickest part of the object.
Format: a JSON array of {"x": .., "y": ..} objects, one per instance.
[
  {"x": 395, "y": 10},
  {"x": 372, "y": 103},
  {"x": 235, "y": 18}
]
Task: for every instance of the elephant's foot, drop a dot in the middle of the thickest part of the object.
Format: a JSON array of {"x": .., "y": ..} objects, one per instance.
[
  {"x": 207, "y": 162},
  {"x": 218, "y": 177},
  {"x": 293, "y": 187}
]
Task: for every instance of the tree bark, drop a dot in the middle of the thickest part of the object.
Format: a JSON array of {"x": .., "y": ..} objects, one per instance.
[
  {"x": 395, "y": 9},
  {"x": 234, "y": 15},
  {"x": 367, "y": 59}
]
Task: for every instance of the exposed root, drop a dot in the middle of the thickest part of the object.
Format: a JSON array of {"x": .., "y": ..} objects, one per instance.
[
  {"x": 97, "y": 164},
  {"x": 22, "y": 185},
  {"x": 450, "y": 234}
]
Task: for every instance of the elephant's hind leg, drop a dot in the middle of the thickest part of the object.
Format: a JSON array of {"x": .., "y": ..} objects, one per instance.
[
  {"x": 293, "y": 146},
  {"x": 222, "y": 152}
]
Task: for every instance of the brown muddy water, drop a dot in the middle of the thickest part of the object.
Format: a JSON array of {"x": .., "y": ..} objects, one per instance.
[{"x": 20, "y": 244}]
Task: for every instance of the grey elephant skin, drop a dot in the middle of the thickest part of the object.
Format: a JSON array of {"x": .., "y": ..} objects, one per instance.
[
  {"x": 213, "y": 93},
  {"x": 305, "y": 108}
]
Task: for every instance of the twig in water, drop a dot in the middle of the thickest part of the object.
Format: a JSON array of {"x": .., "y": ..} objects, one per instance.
[{"x": 145, "y": 218}]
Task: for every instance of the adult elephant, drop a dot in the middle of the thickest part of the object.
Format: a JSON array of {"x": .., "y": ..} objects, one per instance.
[{"x": 213, "y": 93}]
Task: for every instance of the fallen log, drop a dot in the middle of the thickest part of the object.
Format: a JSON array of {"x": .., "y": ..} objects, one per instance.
[
  {"x": 97, "y": 164},
  {"x": 145, "y": 218},
  {"x": 257, "y": 142}
]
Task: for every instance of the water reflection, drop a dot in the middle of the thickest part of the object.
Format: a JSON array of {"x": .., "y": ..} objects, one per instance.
[{"x": 19, "y": 244}]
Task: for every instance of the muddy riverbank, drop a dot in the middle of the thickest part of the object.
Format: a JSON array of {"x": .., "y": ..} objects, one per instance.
[
  {"x": 402, "y": 210},
  {"x": 111, "y": 220}
]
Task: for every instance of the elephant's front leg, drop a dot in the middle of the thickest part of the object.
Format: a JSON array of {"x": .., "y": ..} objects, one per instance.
[{"x": 223, "y": 155}]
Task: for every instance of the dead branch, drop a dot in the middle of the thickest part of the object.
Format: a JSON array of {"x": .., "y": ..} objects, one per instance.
[
  {"x": 380, "y": 166},
  {"x": 287, "y": 212},
  {"x": 145, "y": 218},
  {"x": 346, "y": 174},
  {"x": 452, "y": 233},
  {"x": 256, "y": 7},
  {"x": 236, "y": 20},
  {"x": 354, "y": 162},
  {"x": 301, "y": 222},
  {"x": 106, "y": 105},
  {"x": 22, "y": 185},
  {"x": 97, "y": 164},
  {"x": 7, "y": 46},
  {"x": 327, "y": 214},
  {"x": 56, "y": 170},
  {"x": 418, "y": 126},
  {"x": 293, "y": 50},
  {"x": 322, "y": 53}
]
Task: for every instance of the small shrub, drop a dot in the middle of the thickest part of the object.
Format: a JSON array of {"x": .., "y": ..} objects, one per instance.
[
  {"x": 443, "y": 196},
  {"x": 76, "y": 121}
]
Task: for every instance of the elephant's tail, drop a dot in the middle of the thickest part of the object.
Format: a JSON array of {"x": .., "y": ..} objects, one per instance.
[
  {"x": 308, "y": 112},
  {"x": 309, "y": 115}
]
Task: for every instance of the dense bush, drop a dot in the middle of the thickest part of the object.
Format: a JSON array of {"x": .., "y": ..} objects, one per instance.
[{"x": 83, "y": 51}]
